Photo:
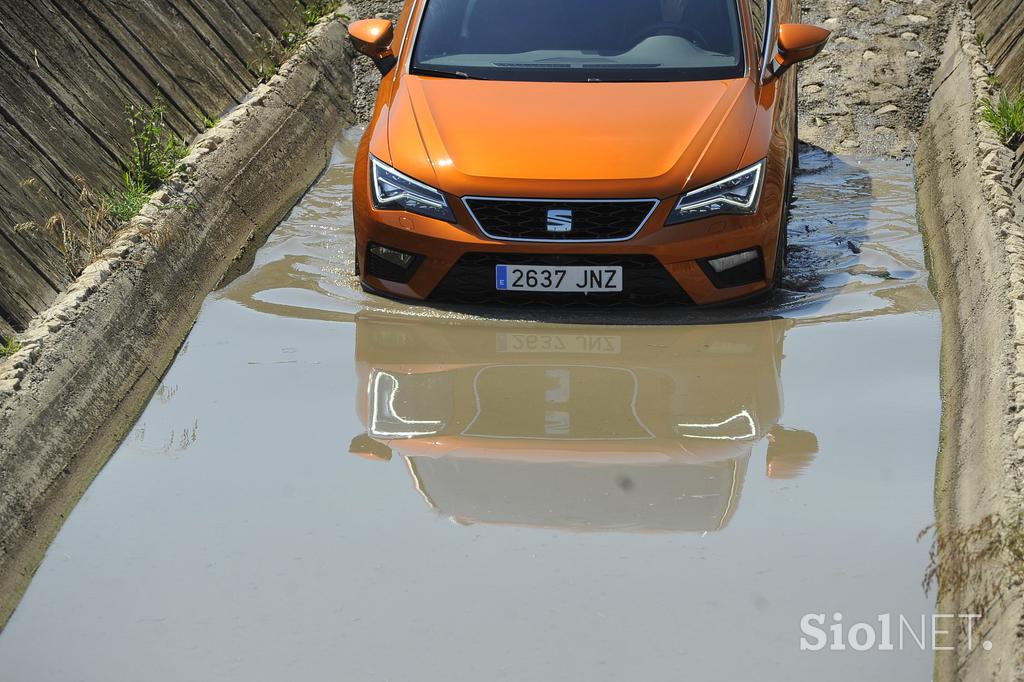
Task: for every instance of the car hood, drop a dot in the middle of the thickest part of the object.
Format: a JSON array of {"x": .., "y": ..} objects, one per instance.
[{"x": 573, "y": 139}]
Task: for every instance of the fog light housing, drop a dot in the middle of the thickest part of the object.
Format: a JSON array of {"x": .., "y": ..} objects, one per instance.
[
  {"x": 724, "y": 263},
  {"x": 735, "y": 269},
  {"x": 391, "y": 264}
]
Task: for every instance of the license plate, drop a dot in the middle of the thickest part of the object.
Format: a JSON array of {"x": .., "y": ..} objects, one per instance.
[{"x": 569, "y": 279}]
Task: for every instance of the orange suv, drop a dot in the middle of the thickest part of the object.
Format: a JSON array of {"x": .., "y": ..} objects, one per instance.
[{"x": 579, "y": 151}]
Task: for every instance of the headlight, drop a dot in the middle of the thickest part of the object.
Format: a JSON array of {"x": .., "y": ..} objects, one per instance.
[
  {"x": 397, "y": 192},
  {"x": 737, "y": 194}
]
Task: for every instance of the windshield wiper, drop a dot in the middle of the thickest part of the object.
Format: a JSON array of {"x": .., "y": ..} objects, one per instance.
[{"x": 440, "y": 73}]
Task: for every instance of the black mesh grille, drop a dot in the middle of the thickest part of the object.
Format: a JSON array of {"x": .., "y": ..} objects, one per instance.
[
  {"x": 591, "y": 221},
  {"x": 382, "y": 269},
  {"x": 645, "y": 283}
]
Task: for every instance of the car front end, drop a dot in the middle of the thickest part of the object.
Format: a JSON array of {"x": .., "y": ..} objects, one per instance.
[{"x": 502, "y": 182}]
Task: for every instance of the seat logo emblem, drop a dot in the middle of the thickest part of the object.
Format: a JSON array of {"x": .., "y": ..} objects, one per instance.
[{"x": 560, "y": 220}]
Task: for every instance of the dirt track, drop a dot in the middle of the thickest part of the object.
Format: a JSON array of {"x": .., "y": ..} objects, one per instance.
[{"x": 867, "y": 94}]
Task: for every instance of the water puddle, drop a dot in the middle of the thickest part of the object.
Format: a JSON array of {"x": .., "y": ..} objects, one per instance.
[{"x": 331, "y": 485}]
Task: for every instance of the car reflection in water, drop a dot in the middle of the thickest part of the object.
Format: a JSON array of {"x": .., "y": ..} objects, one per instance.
[{"x": 582, "y": 428}]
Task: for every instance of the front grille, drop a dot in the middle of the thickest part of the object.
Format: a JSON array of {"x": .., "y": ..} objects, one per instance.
[
  {"x": 531, "y": 220},
  {"x": 645, "y": 283}
]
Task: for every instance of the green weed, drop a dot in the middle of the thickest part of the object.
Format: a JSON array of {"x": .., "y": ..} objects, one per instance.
[
  {"x": 206, "y": 120},
  {"x": 156, "y": 151},
  {"x": 291, "y": 39},
  {"x": 125, "y": 203},
  {"x": 264, "y": 66},
  {"x": 154, "y": 156},
  {"x": 317, "y": 10},
  {"x": 9, "y": 347},
  {"x": 1006, "y": 117}
]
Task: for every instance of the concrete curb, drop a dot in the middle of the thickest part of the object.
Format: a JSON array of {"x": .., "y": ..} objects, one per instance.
[
  {"x": 972, "y": 225},
  {"x": 91, "y": 360}
]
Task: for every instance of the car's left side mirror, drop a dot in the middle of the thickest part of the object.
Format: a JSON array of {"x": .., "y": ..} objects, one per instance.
[
  {"x": 373, "y": 37},
  {"x": 798, "y": 43}
]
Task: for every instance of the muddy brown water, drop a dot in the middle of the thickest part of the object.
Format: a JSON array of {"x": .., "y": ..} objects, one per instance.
[{"x": 332, "y": 486}]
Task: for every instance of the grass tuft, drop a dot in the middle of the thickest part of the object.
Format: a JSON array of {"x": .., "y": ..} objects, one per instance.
[
  {"x": 207, "y": 121},
  {"x": 1006, "y": 117},
  {"x": 982, "y": 559},
  {"x": 125, "y": 203},
  {"x": 9, "y": 347},
  {"x": 318, "y": 9}
]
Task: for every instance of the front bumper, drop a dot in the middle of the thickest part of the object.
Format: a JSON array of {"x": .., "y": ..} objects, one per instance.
[{"x": 663, "y": 265}]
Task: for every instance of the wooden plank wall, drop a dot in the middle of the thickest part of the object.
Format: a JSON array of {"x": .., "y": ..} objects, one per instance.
[
  {"x": 1001, "y": 24},
  {"x": 68, "y": 69}
]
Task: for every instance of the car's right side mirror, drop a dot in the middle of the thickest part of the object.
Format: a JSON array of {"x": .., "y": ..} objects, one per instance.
[
  {"x": 373, "y": 37},
  {"x": 798, "y": 43},
  {"x": 368, "y": 448}
]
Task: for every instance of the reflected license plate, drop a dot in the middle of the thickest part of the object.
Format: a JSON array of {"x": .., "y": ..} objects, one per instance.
[
  {"x": 570, "y": 279},
  {"x": 559, "y": 343}
]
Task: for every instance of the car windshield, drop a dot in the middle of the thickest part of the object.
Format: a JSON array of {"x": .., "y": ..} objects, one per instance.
[{"x": 580, "y": 40}]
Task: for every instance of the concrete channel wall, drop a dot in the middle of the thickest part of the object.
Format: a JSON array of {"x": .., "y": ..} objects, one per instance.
[
  {"x": 68, "y": 69},
  {"x": 975, "y": 236},
  {"x": 90, "y": 361}
]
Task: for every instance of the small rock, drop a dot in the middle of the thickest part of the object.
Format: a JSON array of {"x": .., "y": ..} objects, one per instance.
[
  {"x": 913, "y": 54},
  {"x": 861, "y": 269},
  {"x": 887, "y": 109},
  {"x": 850, "y": 144},
  {"x": 917, "y": 19},
  {"x": 9, "y": 385},
  {"x": 909, "y": 35}
]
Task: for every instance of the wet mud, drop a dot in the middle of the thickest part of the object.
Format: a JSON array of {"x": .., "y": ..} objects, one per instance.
[{"x": 330, "y": 484}]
